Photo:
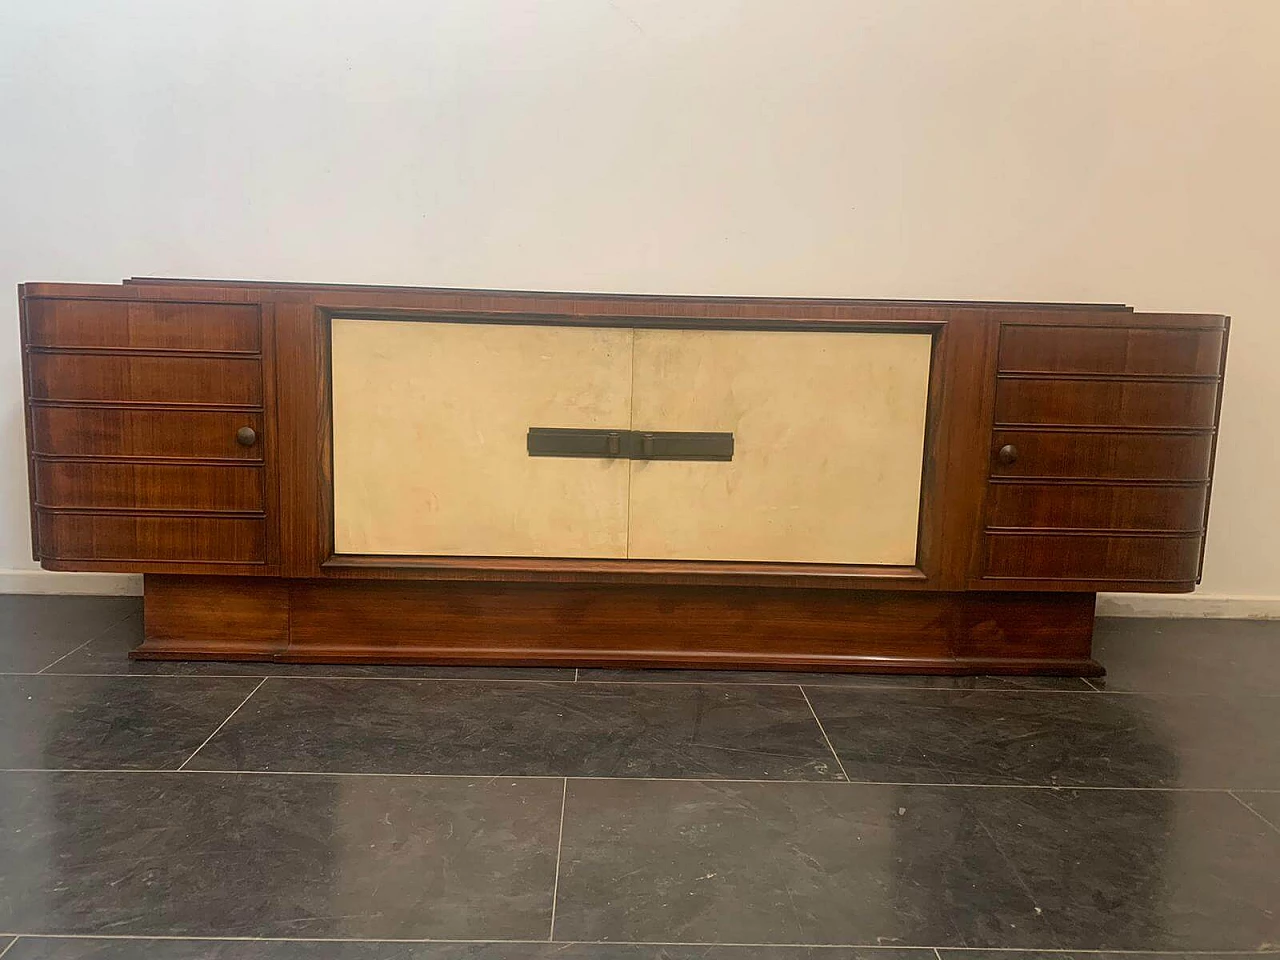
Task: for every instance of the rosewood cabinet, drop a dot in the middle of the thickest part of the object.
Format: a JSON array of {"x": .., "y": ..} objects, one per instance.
[{"x": 341, "y": 473}]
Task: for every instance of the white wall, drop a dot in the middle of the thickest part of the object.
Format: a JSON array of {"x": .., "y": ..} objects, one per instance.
[{"x": 1024, "y": 149}]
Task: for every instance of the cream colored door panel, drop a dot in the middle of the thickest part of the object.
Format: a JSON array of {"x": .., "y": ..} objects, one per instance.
[
  {"x": 429, "y": 428},
  {"x": 828, "y": 445}
]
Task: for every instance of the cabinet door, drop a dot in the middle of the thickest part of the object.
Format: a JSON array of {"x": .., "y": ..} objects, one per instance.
[
  {"x": 149, "y": 433},
  {"x": 430, "y": 421},
  {"x": 828, "y": 445}
]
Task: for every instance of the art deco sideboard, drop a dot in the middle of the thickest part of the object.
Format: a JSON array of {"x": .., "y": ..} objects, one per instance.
[{"x": 346, "y": 473}]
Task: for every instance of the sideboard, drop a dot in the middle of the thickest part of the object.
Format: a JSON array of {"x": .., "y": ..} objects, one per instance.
[{"x": 328, "y": 473}]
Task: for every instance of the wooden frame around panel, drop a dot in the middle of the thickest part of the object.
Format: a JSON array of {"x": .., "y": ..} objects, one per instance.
[{"x": 925, "y": 573}]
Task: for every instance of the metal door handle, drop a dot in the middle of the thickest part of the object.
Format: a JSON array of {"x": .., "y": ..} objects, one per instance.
[{"x": 628, "y": 444}]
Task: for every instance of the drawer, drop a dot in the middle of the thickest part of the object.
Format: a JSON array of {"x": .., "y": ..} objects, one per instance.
[
  {"x": 1046, "y": 556},
  {"x": 153, "y": 486},
  {"x": 124, "y": 432},
  {"x": 1095, "y": 506},
  {"x": 89, "y": 536},
  {"x": 1110, "y": 350},
  {"x": 1136, "y": 403},
  {"x": 72, "y": 376},
  {"x": 1101, "y": 455},
  {"x": 230, "y": 328}
]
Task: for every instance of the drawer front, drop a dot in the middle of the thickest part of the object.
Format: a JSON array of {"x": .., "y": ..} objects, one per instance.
[
  {"x": 149, "y": 486},
  {"x": 228, "y": 328},
  {"x": 1091, "y": 506},
  {"x": 124, "y": 432},
  {"x": 1110, "y": 350},
  {"x": 106, "y": 537},
  {"x": 213, "y": 380},
  {"x": 1092, "y": 557},
  {"x": 1136, "y": 403},
  {"x": 1107, "y": 456}
]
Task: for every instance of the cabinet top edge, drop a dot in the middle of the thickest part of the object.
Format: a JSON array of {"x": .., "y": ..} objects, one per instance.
[
  {"x": 434, "y": 299},
  {"x": 252, "y": 290}
]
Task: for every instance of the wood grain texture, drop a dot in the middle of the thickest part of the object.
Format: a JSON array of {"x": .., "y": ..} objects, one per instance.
[
  {"x": 1114, "y": 415},
  {"x": 106, "y": 484},
  {"x": 137, "y": 432},
  {"x": 534, "y": 624},
  {"x": 146, "y": 379},
  {"x": 1143, "y": 351},
  {"x": 198, "y": 327},
  {"x": 1093, "y": 557},
  {"x": 1097, "y": 506},
  {"x": 152, "y": 537},
  {"x": 841, "y": 576},
  {"x": 1103, "y": 455},
  {"x": 226, "y": 618},
  {"x": 24, "y": 331},
  {"x": 1132, "y": 403}
]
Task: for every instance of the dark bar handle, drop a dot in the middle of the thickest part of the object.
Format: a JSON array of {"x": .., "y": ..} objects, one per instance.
[
  {"x": 684, "y": 445},
  {"x": 567, "y": 442},
  {"x": 629, "y": 444}
]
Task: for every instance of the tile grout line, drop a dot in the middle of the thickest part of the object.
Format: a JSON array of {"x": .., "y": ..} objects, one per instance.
[
  {"x": 1059, "y": 788},
  {"x": 1273, "y": 826},
  {"x": 873, "y": 688},
  {"x": 555, "y": 888},
  {"x": 868, "y": 688},
  {"x": 8, "y": 946},
  {"x": 936, "y": 953},
  {"x": 184, "y": 938},
  {"x": 101, "y": 633},
  {"x": 823, "y": 731},
  {"x": 1091, "y": 686},
  {"x": 184, "y": 763}
]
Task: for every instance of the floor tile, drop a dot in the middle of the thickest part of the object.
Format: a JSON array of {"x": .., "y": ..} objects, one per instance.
[
  {"x": 553, "y": 729},
  {"x": 1012, "y": 737},
  {"x": 990, "y": 867},
  {"x": 263, "y": 855},
  {"x": 836, "y": 679},
  {"x": 109, "y": 654},
  {"x": 1228, "y": 657},
  {"x": 1142, "y": 870},
  {"x": 37, "y": 630},
  {"x": 784, "y": 863},
  {"x": 111, "y": 723},
  {"x": 53, "y": 949},
  {"x": 963, "y": 954},
  {"x": 1265, "y": 805}
]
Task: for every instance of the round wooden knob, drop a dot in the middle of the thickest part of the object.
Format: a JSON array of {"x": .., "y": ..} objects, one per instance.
[
  {"x": 246, "y": 436},
  {"x": 1008, "y": 453}
]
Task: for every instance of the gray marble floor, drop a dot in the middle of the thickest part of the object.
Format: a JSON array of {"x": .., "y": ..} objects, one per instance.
[{"x": 262, "y": 812}]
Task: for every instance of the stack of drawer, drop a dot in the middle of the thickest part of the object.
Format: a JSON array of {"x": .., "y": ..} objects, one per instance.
[
  {"x": 1101, "y": 452},
  {"x": 146, "y": 419}
]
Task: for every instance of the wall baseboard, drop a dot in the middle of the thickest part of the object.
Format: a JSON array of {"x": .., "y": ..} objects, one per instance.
[
  {"x": 1207, "y": 605},
  {"x": 50, "y": 581},
  {"x": 1215, "y": 606}
]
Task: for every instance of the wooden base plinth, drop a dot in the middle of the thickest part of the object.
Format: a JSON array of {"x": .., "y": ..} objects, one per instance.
[{"x": 598, "y": 625}]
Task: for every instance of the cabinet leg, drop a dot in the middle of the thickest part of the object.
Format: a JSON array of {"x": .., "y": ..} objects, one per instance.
[{"x": 214, "y": 618}]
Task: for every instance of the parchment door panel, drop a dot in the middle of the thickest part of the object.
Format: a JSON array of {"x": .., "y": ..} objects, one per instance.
[
  {"x": 828, "y": 445},
  {"x": 429, "y": 426}
]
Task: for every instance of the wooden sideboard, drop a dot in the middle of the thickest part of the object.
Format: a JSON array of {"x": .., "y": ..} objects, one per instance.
[{"x": 364, "y": 474}]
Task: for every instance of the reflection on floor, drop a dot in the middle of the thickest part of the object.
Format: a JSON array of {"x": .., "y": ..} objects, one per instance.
[{"x": 267, "y": 812}]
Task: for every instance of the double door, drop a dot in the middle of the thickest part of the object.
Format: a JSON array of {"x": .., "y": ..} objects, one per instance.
[{"x": 449, "y": 439}]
